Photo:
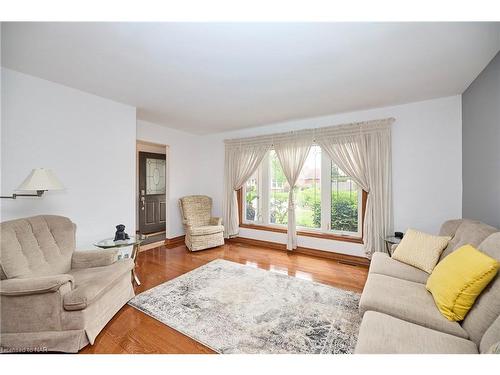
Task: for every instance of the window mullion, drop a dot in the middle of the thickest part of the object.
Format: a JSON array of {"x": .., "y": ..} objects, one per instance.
[
  {"x": 244, "y": 203},
  {"x": 360, "y": 211},
  {"x": 325, "y": 192},
  {"x": 265, "y": 172}
]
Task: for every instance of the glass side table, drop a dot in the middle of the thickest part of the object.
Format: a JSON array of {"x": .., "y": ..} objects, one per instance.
[
  {"x": 389, "y": 241},
  {"x": 135, "y": 242}
]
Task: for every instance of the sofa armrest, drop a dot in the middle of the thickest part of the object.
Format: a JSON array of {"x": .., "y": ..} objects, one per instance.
[
  {"x": 93, "y": 258},
  {"x": 34, "y": 285},
  {"x": 215, "y": 221},
  {"x": 34, "y": 304}
]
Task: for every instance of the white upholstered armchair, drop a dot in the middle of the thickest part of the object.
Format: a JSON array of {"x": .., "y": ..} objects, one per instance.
[{"x": 202, "y": 230}]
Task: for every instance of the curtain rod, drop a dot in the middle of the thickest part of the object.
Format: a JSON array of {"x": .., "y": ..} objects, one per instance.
[{"x": 341, "y": 129}]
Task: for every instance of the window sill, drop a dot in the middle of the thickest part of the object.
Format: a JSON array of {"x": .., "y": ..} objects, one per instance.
[{"x": 326, "y": 236}]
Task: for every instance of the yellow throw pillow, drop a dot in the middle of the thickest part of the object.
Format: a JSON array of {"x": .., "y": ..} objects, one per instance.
[
  {"x": 421, "y": 250},
  {"x": 459, "y": 279}
]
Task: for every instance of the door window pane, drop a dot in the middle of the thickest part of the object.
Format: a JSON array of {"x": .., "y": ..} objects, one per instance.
[
  {"x": 278, "y": 195},
  {"x": 346, "y": 202},
  {"x": 308, "y": 191},
  {"x": 155, "y": 176}
]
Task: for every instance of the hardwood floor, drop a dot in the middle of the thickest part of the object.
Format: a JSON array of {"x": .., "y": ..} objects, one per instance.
[{"x": 132, "y": 331}]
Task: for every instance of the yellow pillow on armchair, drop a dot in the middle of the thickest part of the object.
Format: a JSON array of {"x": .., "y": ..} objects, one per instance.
[{"x": 459, "y": 279}]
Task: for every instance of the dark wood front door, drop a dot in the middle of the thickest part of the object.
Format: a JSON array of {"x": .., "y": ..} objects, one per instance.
[{"x": 152, "y": 192}]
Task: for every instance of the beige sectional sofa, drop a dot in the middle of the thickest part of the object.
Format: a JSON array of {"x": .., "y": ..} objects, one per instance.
[
  {"x": 53, "y": 298},
  {"x": 400, "y": 316}
]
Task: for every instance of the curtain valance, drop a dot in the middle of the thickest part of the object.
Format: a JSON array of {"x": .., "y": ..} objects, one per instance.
[{"x": 364, "y": 127}]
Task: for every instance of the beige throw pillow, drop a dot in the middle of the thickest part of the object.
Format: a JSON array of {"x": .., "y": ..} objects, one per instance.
[{"x": 420, "y": 249}]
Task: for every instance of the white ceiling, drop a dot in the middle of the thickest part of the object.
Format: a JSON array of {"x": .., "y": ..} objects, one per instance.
[{"x": 204, "y": 78}]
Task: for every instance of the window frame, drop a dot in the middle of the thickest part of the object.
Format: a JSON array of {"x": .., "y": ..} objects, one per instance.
[
  {"x": 361, "y": 203},
  {"x": 324, "y": 231}
]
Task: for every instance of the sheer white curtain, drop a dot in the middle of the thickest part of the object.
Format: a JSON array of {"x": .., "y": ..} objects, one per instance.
[
  {"x": 292, "y": 155},
  {"x": 365, "y": 155},
  {"x": 240, "y": 163}
]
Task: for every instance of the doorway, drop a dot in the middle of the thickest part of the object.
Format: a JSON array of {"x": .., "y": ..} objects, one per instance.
[{"x": 152, "y": 189}]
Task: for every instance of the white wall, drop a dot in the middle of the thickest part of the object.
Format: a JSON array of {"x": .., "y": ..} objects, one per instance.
[
  {"x": 87, "y": 140},
  {"x": 183, "y": 156},
  {"x": 90, "y": 143},
  {"x": 427, "y": 166}
]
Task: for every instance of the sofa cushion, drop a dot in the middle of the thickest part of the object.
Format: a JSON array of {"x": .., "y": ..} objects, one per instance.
[
  {"x": 491, "y": 337},
  {"x": 494, "y": 349},
  {"x": 37, "y": 246},
  {"x": 405, "y": 300},
  {"x": 468, "y": 233},
  {"x": 207, "y": 229},
  {"x": 449, "y": 227},
  {"x": 383, "y": 264},
  {"x": 459, "y": 279},
  {"x": 384, "y": 334},
  {"x": 487, "y": 306},
  {"x": 421, "y": 250},
  {"x": 91, "y": 283}
]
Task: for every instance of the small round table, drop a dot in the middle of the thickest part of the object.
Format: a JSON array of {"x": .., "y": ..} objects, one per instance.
[
  {"x": 389, "y": 241},
  {"x": 109, "y": 243}
]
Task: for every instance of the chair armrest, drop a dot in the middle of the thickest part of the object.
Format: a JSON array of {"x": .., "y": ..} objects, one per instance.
[
  {"x": 186, "y": 224},
  {"x": 34, "y": 285},
  {"x": 93, "y": 258},
  {"x": 215, "y": 221}
]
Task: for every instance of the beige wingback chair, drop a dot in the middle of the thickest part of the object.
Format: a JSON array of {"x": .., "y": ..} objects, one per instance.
[
  {"x": 53, "y": 297},
  {"x": 202, "y": 230}
]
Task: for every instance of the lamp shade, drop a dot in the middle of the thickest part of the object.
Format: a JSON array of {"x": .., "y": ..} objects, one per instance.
[{"x": 41, "y": 179}]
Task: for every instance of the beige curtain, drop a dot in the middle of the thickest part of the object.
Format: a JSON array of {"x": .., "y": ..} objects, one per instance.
[
  {"x": 362, "y": 150},
  {"x": 241, "y": 161},
  {"x": 365, "y": 155},
  {"x": 292, "y": 155}
]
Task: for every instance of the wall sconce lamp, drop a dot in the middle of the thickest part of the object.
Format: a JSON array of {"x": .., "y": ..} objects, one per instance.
[{"x": 41, "y": 180}]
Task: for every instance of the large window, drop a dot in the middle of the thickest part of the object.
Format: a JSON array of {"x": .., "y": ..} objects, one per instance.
[
  {"x": 278, "y": 191},
  {"x": 308, "y": 191},
  {"x": 345, "y": 212},
  {"x": 327, "y": 201}
]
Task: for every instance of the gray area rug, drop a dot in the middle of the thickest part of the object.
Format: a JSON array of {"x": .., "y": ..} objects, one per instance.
[{"x": 234, "y": 308}]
